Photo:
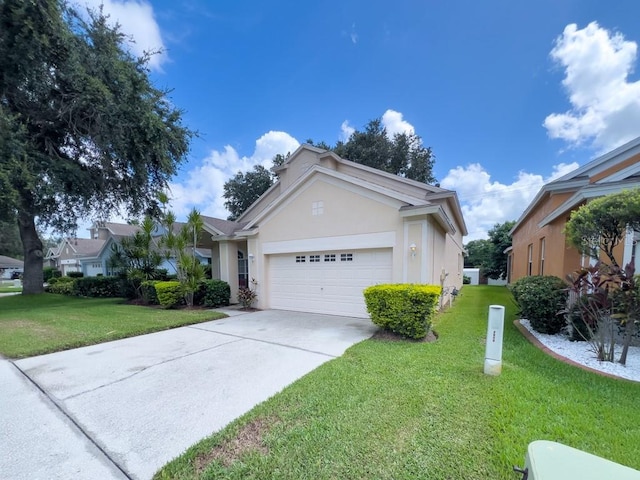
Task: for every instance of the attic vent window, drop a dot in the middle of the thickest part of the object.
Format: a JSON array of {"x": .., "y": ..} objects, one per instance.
[{"x": 317, "y": 208}]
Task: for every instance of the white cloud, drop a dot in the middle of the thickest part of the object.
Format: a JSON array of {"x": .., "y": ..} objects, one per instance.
[
  {"x": 203, "y": 187},
  {"x": 485, "y": 203},
  {"x": 394, "y": 123},
  {"x": 346, "y": 130},
  {"x": 137, "y": 20},
  {"x": 605, "y": 106},
  {"x": 354, "y": 35}
]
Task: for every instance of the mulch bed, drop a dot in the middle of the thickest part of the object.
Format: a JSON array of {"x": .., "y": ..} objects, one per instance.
[{"x": 394, "y": 337}]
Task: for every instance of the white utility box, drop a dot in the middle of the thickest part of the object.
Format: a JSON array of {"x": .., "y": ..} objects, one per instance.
[
  {"x": 546, "y": 460},
  {"x": 493, "y": 352}
]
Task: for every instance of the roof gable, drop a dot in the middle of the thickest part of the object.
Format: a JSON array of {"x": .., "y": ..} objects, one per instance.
[
  {"x": 315, "y": 170},
  {"x": 308, "y": 158}
]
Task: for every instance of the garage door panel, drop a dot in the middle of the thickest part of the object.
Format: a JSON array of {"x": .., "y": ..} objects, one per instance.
[{"x": 327, "y": 286}]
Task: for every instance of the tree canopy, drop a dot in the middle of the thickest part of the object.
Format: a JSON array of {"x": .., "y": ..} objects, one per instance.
[
  {"x": 10, "y": 244},
  {"x": 82, "y": 129},
  {"x": 245, "y": 188},
  {"x": 500, "y": 238},
  {"x": 479, "y": 253},
  {"x": 601, "y": 224},
  {"x": 401, "y": 153}
]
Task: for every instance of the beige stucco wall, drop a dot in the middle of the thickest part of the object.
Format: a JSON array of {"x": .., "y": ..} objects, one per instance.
[{"x": 354, "y": 214}]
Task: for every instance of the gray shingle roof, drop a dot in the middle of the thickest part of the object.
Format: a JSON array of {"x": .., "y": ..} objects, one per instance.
[
  {"x": 8, "y": 262},
  {"x": 227, "y": 227}
]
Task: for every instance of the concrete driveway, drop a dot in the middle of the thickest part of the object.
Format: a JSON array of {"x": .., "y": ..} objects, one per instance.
[{"x": 123, "y": 409}]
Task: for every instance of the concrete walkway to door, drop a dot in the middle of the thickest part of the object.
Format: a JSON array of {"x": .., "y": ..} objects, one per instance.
[{"x": 123, "y": 409}]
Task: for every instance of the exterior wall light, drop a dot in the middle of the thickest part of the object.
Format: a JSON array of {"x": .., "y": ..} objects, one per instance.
[{"x": 412, "y": 249}]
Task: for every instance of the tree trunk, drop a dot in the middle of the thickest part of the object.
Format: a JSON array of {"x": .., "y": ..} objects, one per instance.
[
  {"x": 32, "y": 278},
  {"x": 629, "y": 331}
]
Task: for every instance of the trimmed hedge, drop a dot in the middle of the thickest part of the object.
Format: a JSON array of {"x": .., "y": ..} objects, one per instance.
[
  {"x": 61, "y": 285},
  {"x": 170, "y": 294},
  {"x": 404, "y": 309},
  {"x": 50, "y": 272},
  {"x": 215, "y": 293},
  {"x": 541, "y": 300},
  {"x": 104, "y": 287}
]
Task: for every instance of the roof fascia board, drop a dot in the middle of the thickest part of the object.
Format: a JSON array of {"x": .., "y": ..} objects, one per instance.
[
  {"x": 621, "y": 175},
  {"x": 435, "y": 210},
  {"x": 402, "y": 180},
  {"x": 596, "y": 166},
  {"x": 596, "y": 190}
]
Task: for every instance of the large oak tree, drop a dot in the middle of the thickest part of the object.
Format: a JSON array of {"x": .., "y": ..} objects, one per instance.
[{"x": 83, "y": 131}]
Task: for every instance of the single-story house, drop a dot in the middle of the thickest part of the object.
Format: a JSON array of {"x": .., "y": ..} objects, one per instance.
[
  {"x": 9, "y": 266},
  {"x": 329, "y": 227},
  {"x": 539, "y": 246}
]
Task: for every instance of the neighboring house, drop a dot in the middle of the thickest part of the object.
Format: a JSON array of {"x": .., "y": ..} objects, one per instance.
[
  {"x": 66, "y": 256},
  {"x": 91, "y": 255},
  {"x": 97, "y": 262},
  {"x": 539, "y": 246},
  {"x": 9, "y": 266},
  {"x": 328, "y": 228}
]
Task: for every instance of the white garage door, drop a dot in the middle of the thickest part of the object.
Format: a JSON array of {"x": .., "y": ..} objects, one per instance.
[{"x": 327, "y": 282}]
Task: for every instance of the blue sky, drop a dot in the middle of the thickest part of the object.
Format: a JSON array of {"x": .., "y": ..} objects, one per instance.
[{"x": 509, "y": 94}]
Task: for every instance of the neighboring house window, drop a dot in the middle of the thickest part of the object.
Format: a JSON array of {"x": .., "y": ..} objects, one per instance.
[
  {"x": 317, "y": 208},
  {"x": 530, "y": 260},
  {"x": 346, "y": 257},
  {"x": 314, "y": 258},
  {"x": 300, "y": 259},
  {"x": 542, "y": 245},
  {"x": 331, "y": 257}
]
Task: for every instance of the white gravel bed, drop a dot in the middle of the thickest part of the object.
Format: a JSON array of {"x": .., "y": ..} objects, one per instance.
[{"x": 579, "y": 352}]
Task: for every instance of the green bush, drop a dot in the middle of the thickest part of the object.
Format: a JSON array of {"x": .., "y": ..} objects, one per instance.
[
  {"x": 466, "y": 280},
  {"x": 542, "y": 299},
  {"x": 170, "y": 294},
  {"x": 246, "y": 297},
  {"x": 104, "y": 287},
  {"x": 148, "y": 292},
  {"x": 50, "y": 272},
  {"x": 404, "y": 309},
  {"x": 61, "y": 285},
  {"x": 213, "y": 293},
  {"x": 75, "y": 274}
]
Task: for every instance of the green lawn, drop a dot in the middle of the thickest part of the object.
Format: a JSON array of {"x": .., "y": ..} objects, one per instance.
[
  {"x": 9, "y": 289},
  {"x": 403, "y": 410},
  {"x": 35, "y": 324}
]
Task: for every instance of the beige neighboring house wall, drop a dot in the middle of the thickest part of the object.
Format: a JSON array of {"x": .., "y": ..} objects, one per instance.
[{"x": 329, "y": 227}]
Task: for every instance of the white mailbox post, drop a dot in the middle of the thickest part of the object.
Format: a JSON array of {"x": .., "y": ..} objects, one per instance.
[{"x": 493, "y": 352}]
